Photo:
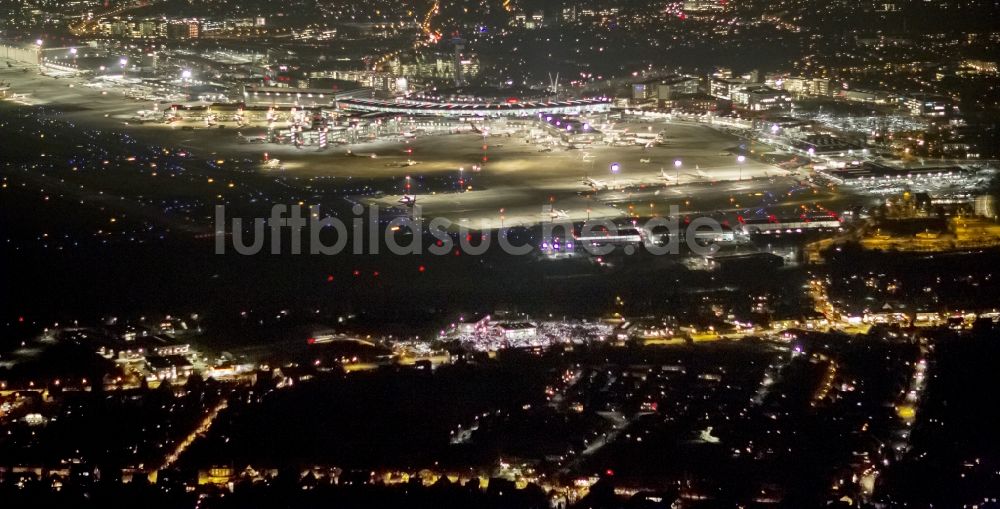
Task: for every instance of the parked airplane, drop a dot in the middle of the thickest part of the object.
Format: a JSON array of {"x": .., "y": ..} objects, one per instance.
[
  {"x": 252, "y": 138},
  {"x": 403, "y": 164},
  {"x": 371, "y": 155}
]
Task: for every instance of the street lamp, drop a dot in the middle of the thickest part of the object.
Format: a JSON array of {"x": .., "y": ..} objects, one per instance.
[
  {"x": 186, "y": 74},
  {"x": 740, "y": 159},
  {"x": 615, "y": 168},
  {"x": 677, "y": 170},
  {"x": 123, "y": 62}
]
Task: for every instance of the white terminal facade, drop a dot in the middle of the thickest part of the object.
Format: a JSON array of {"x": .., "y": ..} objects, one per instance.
[{"x": 477, "y": 109}]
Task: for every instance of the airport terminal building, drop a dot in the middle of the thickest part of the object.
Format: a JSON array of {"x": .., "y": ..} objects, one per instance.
[{"x": 475, "y": 109}]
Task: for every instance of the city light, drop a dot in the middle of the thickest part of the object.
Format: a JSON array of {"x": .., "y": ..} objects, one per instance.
[{"x": 277, "y": 283}]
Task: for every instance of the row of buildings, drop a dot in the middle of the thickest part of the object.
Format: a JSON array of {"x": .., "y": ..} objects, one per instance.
[
  {"x": 777, "y": 91},
  {"x": 571, "y": 14},
  {"x": 741, "y": 92},
  {"x": 183, "y": 28},
  {"x": 459, "y": 66}
]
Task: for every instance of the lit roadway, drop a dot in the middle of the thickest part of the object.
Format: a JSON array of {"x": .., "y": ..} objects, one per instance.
[{"x": 427, "y": 36}]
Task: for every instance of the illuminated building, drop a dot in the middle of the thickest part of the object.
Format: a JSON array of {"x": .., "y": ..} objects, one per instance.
[
  {"x": 799, "y": 86},
  {"x": 519, "y": 331},
  {"x": 480, "y": 109},
  {"x": 723, "y": 88},
  {"x": 761, "y": 98},
  {"x": 703, "y": 5},
  {"x": 437, "y": 66},
  {"x": 665, "y": 89},
  {"x": 927, "y": 105}
]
